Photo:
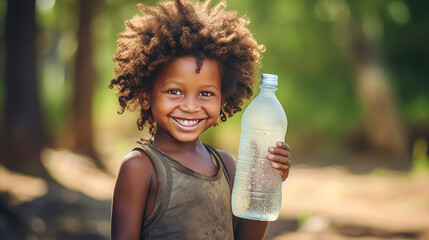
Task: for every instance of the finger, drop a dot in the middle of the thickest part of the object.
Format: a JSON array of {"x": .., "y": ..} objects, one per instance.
[
  {"x": 279, "y": 151},
  {"x": 285, "y": 175},
  {"x": 279, "y": 163},
  {"x": 283, "y": 145},
  {"x": 283, "y": 168}
]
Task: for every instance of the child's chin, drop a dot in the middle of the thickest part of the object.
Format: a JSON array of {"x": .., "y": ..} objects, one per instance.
[
  {"x": 187, "y": 136},
  {"x": 183, "y": 138}
]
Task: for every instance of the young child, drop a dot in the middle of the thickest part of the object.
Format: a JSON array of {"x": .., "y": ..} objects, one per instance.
[{"x": 187, "y": 67}]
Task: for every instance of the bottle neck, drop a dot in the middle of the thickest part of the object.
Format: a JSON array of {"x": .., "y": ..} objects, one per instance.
[{"x": 267, "y": 89}]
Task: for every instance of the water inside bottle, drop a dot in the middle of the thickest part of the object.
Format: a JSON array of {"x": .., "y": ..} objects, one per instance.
[{"x": 256, "y": 193}]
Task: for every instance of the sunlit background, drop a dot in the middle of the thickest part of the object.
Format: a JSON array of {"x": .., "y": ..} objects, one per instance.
[{"x": 353, "y": 80}]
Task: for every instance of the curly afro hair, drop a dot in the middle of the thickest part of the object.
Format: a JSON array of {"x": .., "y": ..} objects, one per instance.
[{"x": 179, "y": 28}]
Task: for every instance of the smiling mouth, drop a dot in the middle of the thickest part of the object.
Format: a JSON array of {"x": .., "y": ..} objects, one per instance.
[{"x": 187, "y": 123}]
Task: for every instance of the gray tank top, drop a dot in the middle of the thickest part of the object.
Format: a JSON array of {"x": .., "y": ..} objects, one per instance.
[{"x": 189, "y": 205}]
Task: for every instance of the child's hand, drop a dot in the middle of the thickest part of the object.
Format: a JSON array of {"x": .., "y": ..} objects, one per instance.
[{"x": 279, "y": 157}]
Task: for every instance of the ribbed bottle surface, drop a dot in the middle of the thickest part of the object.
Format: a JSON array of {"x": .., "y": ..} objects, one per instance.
[{"x": 257, "y": 185}]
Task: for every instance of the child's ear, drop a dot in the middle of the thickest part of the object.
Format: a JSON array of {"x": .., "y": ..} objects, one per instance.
[{"x": 145, "y": 100}]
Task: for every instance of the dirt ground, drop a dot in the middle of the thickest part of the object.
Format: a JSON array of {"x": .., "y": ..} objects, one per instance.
[
  {"x": 332, "y": 203},
  {"x": 319, "y": 203}
]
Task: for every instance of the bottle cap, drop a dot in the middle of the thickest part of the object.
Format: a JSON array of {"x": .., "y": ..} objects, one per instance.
[{"x": 270, "y": 79}]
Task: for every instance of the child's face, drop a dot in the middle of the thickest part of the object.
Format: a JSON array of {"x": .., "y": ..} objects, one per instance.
[{"x": 184, "y": 103}]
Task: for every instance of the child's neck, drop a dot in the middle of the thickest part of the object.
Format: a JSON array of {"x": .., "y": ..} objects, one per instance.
[{"x": 192, "y": 155}]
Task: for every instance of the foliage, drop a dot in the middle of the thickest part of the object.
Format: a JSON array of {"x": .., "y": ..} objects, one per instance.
[
  {"x": 420, "y": 156},
  {"x": 307, "y": 45}
]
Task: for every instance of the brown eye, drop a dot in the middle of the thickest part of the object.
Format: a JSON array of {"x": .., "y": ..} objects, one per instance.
[
  {"x": 174, "y": 92},
  {"x": 206, "y": 94}
]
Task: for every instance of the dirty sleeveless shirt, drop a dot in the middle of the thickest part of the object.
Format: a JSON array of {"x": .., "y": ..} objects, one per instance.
[{"x": 189, "y": 205}]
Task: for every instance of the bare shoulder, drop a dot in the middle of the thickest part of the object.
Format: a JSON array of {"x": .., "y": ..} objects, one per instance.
[
  {"x": 229, "y": 163},
  {"x": 136, "y": 165},
  {"x": 227, "y": 158},
  {"x": 131, "y": 193}
]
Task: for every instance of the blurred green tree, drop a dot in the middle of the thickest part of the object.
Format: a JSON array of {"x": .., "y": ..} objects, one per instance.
[
  {"x": 23, "y": 136},
  {"x": 384, "y": 129},
  {"x": 84, "y": 84}
]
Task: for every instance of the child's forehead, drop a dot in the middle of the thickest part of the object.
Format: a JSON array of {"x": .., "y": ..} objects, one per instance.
[
  {"x": 190, "y": 63},
  {"x": 184, "y": 69}
]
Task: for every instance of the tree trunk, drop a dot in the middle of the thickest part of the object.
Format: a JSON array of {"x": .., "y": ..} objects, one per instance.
[
  {"x": 23, "y": 136},
  {"x": 84, "y": 82},
  {"x": 383, "y": 126}
]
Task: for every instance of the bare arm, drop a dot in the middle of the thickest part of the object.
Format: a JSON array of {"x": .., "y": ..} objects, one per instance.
[
  {"x": 130, "y": 196},
  {"x": 244, "y": 228}
]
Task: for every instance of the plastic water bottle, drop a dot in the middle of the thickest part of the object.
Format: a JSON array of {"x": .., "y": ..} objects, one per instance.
[{"x": 257, "y": 186}]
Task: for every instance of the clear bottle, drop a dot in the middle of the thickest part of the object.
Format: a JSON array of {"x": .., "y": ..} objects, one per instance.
[{"x": 257, "y": 185}]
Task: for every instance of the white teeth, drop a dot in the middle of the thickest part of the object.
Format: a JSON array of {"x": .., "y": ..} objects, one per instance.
[{"x": 187, "y": 123}]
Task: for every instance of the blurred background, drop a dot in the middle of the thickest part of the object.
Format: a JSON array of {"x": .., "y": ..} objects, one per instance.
[{"x": 353, "y": 82}]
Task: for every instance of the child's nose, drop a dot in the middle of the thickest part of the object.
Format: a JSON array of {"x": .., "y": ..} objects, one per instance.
[{"x": 190, "y": 104}]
